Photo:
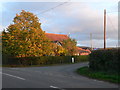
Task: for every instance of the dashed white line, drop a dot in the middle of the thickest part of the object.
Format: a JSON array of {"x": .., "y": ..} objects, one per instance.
[
  {"x": 12, "y": 76},
  {"x": 53, "y": 87},
  {"x": 57, "y": 87}
]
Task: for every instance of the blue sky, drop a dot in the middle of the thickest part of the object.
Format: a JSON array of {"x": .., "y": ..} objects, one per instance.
[{"x": 78, "y": 18}]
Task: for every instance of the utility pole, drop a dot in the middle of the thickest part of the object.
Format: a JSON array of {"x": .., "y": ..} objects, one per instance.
[
  {"x": 91, "y": 41},
  {"x": 69, "y": 34},
  {"x": 104, "y": 28}
]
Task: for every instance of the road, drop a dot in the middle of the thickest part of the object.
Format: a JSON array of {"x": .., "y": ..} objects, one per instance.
[{"x": 62, "y": 76}]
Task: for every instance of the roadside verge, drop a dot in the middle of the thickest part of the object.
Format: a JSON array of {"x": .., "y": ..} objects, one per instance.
[{"x": 105, "y": 76}]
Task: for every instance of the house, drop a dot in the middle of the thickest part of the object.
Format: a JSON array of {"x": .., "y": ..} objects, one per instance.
[
  {"x": 58, "y": 38},
  {"x": 82, "y": 51}
]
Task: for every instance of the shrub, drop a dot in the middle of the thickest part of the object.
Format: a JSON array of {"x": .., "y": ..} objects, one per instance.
[
  {"x": 104, "y": 60},
  {"x": 81, "y": 58},
  {"x": 43, "y": 60}
]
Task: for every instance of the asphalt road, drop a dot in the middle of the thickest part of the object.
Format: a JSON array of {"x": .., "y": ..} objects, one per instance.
[{"x": 63, "y": 76}]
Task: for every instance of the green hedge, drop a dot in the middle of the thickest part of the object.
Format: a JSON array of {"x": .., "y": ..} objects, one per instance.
[
  {"x": 43, "y": 60},
  {"x": 105, "y": 60}
]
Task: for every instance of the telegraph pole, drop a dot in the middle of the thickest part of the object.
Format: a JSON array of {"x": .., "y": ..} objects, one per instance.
[
  {"x": 91, "y": 41},
  {"x": 104, "y": 28},
  {"x": 69, "y": 34}
]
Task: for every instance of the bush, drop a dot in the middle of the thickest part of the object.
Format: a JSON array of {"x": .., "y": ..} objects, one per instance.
[
  {"x": 81, "y": 58},
  {"x": 104, "y": 60},
  {"x": 43, "y": 60}
]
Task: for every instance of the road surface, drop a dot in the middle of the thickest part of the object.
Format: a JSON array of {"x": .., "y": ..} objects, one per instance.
[{"x": 62, "y": 76}]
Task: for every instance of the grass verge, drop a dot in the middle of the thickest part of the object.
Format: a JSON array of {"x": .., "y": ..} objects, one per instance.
[{"x": 105, "y": 76}]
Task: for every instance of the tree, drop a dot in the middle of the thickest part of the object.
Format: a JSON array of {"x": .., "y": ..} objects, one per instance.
[
  {"x": 25, "y": 37},
  {"x": 58, "y": 50},
  {"x": 70, "y": 46}
]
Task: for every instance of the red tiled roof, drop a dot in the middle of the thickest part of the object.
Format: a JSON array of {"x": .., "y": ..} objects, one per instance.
[
  {"x": 56, "y": 37},
  {"x": 83, "y": 50},
  {"x": 78, "y": 48}
]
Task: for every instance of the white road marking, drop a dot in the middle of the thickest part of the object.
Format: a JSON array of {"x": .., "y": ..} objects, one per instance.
[
  {"x": 12, "y": 76},
  {"x": 53, "y": 87},
  {"x": 57, "y": 88}
]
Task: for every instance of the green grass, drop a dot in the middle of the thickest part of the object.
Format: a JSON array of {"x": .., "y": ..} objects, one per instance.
[{"x": 100, "y": 75}]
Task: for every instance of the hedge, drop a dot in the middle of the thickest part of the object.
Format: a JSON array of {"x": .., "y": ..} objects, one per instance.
[
  {"x": 104, "y": 60},
  {"x": 43, "y": 60}
]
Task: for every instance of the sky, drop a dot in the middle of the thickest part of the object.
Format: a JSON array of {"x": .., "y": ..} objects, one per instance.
[{"x": 76, "y": 18}]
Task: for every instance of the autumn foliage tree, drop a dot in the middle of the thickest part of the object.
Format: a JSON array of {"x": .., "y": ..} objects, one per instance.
[
  {"x": 58, "y": 50},
  {"x": 25, "y": 37},
  {"x": 70, "y": 46}
]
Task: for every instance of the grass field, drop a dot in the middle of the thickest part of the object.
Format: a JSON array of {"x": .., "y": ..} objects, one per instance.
[{"x": 105, "y": 76}]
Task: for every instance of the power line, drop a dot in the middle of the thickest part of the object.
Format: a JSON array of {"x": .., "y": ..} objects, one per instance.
[
  {"x": 111, "y": 22},
  {"x": 53, "y": 8},
  {"x": 115, "y": 5},
  {"x": 113, "y": 12},
  {"x": 91, "y": 42}
]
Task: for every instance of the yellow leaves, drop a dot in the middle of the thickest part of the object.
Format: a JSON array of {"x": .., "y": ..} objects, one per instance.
[
  {"x": 25, "y": 37},
  {"x": 70, "y": 46},
  {"x": 21, "y": 46},
  {"x": 12, "y": 36},
  {"x": 61, "y": 50}
]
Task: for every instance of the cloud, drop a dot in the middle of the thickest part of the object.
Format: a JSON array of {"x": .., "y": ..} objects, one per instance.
[
  {"x": 84, "y": 20},
  {"x": 80, "y": 19}
]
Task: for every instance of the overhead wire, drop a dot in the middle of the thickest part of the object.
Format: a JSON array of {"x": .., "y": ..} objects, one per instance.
[
  {"x": 114, "y": 6},
  {"x": 52, "y": 8},
  {"x": 109, "y": 12},
  {"x": 111, "y": 22},
  {"x": 47, "y": 10},
  {"x": 112, "y": 12}
]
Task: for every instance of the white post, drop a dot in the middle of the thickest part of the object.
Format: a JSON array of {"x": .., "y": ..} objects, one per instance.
[{"x": 72, "y": 59}]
